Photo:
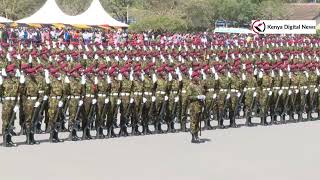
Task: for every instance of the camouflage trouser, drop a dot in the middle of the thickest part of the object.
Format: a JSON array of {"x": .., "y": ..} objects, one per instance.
[
  {"x": 52, "y": 112},
  {"x": 195, "y": 113},
  {"x": 7, "y": 106},
  {"x": 248, "y": 103},
  {"x": 262, "y": 96},
  {"x": 28, "y": 107}
]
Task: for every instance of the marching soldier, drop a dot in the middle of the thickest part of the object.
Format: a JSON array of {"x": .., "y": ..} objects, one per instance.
[
  {"x": 30, "y": 104},
  {"x": 10, "y": 90},
  {"x": 264, "y": 95},
  {"x": 57, "y": 97},
  {"x": 73, "y": 85},
  {"x": 195, "y": 101}
]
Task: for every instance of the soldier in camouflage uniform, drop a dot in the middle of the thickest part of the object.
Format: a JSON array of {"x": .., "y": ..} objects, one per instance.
[
  {"x": 264, "y": 94},
  {"x": 250, "y": 96},
  {"x": 76, "y": 105},
  {"x": 195, "y": 102},
  {"x": 9, "y": 92},
  {"x": 57, "y": 97},
  {"x": 30, "y": 104}
]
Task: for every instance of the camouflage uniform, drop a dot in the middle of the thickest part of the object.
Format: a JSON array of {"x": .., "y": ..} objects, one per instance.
[
  {"x": 55, "y": 108},
  {"x": 76, "y": 94},
  {"x": 264, "y": 96},
  {"x": 195, "y": 106},
  {"x": 30, "y": 97},
  {"x": 9, "y": 90},
  {"x": 250, "y": 98}
]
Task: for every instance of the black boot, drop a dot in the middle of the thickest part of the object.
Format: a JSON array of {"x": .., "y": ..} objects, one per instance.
[
  {"x": 86, "y": 134},
  {"x": 100, "y": 134},
  {"x": 309, "y": 116},
  {"x": 183, "y": 127},
  {"x": 38, "y": 129},
  {"x": 73, "y": 136},
  {"x": 111, "y": 133},
  {"x": 123, "y": 131},
  {"x": 195, "y": 138},
  {"x": 158, "y": 129},
  {"x": 249, "y": 122},
  {"x": 264, "y": 121},
  {"x": 232, "y": 118},
  {"x": 220, "y": 123},
  {"x": 171, "y": 128},
  {"x": 135, "y": 130},
  {"x": 30, "y": 138},
  {"x": 54, "y": 137},
  {"x": 7, "y": 140},
  {"x": 300, "y": 118},
  {"x": 146, "y": 130},
  {"x": 283, "y": 119},
  {"x": 207, "y": 125}
]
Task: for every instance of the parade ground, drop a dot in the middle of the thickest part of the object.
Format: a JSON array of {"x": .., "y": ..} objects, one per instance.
[{"x": 283, "y": 152}]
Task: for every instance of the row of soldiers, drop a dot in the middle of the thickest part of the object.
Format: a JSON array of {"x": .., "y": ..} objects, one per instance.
[{"x": 86, "y": 101}]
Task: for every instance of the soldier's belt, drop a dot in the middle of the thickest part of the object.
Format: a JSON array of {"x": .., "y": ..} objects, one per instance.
[
  {"x": 41, "y": 92},
  {"x": 266, "y": 89},
  {"x": 124, "y": 94},
  {"x": 304, "y": 87},
  {"x": 75, "y": 97},
  {"x": 251, "y": 89},
  {"x": 32, "y": 98},
  {"x": 102, "y": 95},
  {"x": 114, "y": 94},
  {"x": 137, "y": 94},
  {"x": 276, "y": 88},
  {"x": 10, "y": 98},
  {"x": 223, "y": 90},
  {"x": 161, "y": 92},
  {"x": 234, "y": 90},
  {"x": 89, "y": 95},
  {"x": 286, "y": 88},
  {"x": 56, "y": 97}
]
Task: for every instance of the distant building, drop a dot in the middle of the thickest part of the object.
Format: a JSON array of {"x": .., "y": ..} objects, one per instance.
[{"x": 304, "y": 11}]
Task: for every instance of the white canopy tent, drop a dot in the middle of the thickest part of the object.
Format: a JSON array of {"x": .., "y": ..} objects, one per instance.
[
  {"x": 49, "y": 13},
  {"x": 95, "y": 15},
  {"x": 4, "y": 20}
]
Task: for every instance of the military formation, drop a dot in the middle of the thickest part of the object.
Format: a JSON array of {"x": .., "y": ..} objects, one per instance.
[{"x": 120, "y": 91}]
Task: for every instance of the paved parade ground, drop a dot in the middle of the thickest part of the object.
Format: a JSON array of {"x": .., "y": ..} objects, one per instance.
[{"x": 284, "y": 152}]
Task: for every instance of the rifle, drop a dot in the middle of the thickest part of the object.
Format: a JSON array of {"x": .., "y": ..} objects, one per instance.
[
  {"x": 116, "y": 107},
  {"x": 105, "y": 111},
  {"x": 142, "y": 107},
  {"x": 76, "y": 125},
  {"x": 153, "y": 108},
  {"x": 13, "y": 113},
  {"x": 130, "y": 109},
  {"x": 176, "y": 109},
  {"x": 238, "y": 104},
  {"x": 164, "y": 105}
]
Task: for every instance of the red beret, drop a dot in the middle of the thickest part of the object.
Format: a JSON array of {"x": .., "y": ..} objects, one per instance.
[{"x": 10, "y": 68}]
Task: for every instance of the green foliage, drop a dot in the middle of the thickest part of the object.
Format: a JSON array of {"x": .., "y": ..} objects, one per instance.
[{"x": 162, "y": 15}]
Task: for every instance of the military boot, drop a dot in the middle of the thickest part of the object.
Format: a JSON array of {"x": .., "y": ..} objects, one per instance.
[
  {"x": 220, "y": 123},
  {"x": 283, "y": 119},
  {"x": 54, "y": 137},
  {"x": 123, "y": 131},
  {"x": 171, "y": 128},
  {"x": 86, "y": 134},
  {"x": 195, "y": 138},
  {"x": 264, "y": 121},
  {"x": 249, "y": 122},
  {"x": 7, "y": 140},
  {"x": 135, "y": 130},
  {"x": 30, "y": 138},
  {"x": 146, "y": 130},
  {"x": 100, "y": 134},
  {"x": 73, "y": 136},
  {"x": 111, "y": 133},
  {"x": 183, "y": 127},
  {"x": 309, "y": 116},
  {"x": 300, "y": 118},
  {"x": 38, "y": 129},
  {"x": 232, "y": 118}
]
